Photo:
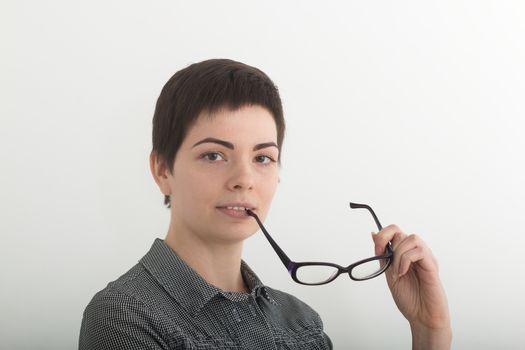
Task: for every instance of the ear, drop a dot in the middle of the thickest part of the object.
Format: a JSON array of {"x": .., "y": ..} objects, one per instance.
[{"x": 160, "y": 172}]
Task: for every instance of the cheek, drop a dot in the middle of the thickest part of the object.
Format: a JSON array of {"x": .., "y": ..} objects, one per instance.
[
  {"x": 269, "y": 188},
  {"x": 184, "y": 184},
  {"x": 199, "y": 187}
]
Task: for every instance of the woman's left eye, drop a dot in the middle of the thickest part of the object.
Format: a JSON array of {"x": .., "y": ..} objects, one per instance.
[{"x": 264, "y": 159}]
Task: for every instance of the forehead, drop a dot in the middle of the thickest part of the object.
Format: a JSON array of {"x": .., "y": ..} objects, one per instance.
[{"x": 248, "y": 123}]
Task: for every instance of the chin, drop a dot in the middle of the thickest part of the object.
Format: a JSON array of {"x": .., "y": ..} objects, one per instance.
[{"x": 236, "y": 234}]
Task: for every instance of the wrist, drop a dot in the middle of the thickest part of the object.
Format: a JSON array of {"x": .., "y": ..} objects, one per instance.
[{"x": 439, "y": 338}]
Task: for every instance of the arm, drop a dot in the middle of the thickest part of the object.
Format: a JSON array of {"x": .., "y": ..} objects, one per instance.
[
  {"x": 118, "y": 321},
  {"x": 414, "y": 282}
]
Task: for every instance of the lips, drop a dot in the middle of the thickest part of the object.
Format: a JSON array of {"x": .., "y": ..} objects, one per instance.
[{"x": 236, "y": 210}]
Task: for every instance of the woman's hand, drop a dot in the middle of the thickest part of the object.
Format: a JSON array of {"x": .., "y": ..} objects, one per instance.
[{"x": 413, "y": 279}]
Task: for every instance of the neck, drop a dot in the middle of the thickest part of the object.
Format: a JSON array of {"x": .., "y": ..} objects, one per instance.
[{"x": 219, "y": 263}]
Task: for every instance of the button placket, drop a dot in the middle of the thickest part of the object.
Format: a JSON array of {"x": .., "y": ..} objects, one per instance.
[{"x": 236, "y": 315}]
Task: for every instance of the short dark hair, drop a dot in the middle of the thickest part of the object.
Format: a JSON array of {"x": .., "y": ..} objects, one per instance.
[{"x": 209, "y": 86}]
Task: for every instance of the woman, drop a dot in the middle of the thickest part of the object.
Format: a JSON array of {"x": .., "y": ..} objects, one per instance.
[{"x": 218, "y": 130}]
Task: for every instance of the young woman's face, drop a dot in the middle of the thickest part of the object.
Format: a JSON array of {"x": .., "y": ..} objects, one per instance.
[{"x": 226, "y": 162}]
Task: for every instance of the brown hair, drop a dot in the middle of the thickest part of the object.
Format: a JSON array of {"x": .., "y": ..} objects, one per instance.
[{"x": 209, "y": 86}]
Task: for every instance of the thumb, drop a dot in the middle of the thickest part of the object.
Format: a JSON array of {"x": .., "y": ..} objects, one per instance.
[{"x": 377, "y": 247}]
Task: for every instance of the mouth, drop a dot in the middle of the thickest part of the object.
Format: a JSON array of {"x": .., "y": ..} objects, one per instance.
[{"x": 236, "y": 211}]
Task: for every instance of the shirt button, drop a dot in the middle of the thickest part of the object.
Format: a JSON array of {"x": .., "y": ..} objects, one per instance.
[
  {"x": 236, "y": 316},
  {"x": 252, "y": 310}
]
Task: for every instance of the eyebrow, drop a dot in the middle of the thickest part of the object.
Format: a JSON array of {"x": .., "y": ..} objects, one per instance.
[{"x": 231, "y": 146}]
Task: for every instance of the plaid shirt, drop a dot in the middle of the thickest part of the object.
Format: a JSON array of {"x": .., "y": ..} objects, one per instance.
[{"x": 161, "y": 303}]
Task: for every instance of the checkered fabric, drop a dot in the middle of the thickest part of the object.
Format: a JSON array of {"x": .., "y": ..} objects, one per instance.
[{"x": 161, "y": 303}]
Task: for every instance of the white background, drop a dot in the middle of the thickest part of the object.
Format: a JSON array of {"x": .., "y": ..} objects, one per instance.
[{"x": 415, "y": 107}]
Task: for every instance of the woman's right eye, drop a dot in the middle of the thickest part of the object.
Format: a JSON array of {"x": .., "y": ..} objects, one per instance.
[{"x": 212, "y": 156}]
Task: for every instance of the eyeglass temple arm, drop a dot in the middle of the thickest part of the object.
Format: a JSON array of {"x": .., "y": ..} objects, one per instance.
[
  {"x": 367, "y": 207},
  {"x": 282, "y": 255},
  {"x": 379, "y": 226}
]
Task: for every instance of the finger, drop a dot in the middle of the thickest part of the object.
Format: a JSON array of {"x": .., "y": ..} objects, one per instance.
[
  {"x": 408, "y": 258},
  {"x": 391, "y": 233},
  {"x": 413, "y": 246},
  {"x": 407, "y": 243}
]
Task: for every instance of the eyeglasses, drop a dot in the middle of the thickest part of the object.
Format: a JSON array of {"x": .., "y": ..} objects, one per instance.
[{"x": 318, "y": 273}]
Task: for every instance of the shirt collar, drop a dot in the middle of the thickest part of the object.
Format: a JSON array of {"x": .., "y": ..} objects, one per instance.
[{"x": 187, "y": 287}]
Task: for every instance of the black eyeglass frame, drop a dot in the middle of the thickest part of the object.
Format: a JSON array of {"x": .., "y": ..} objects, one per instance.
[{"x": 293, "y": 266}]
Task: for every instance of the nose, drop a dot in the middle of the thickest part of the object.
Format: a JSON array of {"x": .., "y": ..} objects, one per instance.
[{"x": 242, "y": 177}]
